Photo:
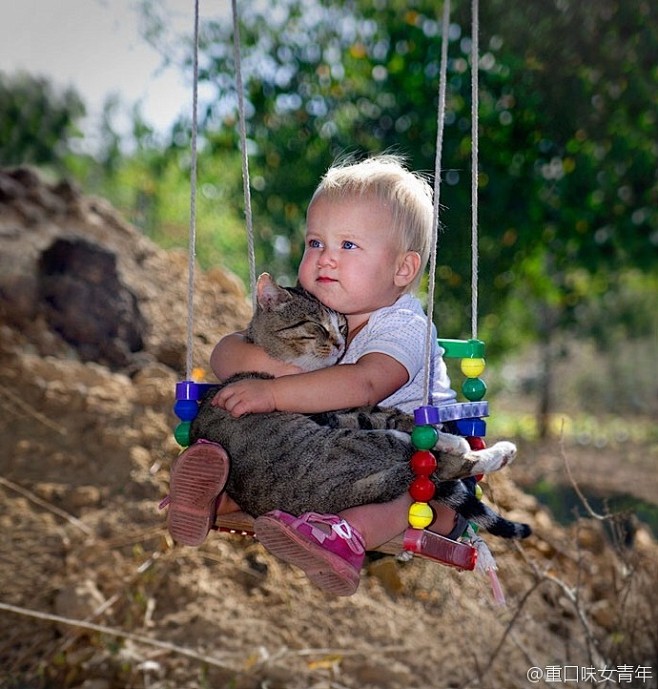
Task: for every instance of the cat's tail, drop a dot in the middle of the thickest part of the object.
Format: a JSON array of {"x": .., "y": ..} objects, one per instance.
[
  {"x": 456, "y": 495},
  {"x": 456, "y": 459}
]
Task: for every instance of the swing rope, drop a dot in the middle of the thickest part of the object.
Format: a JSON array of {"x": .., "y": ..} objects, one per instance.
[
  {"x": 440, "y": 125},
  {"x": 443, "y": 69},
  {"x": 191, "y": 252},
  {"x": 475, "y": 97},
  {"x": 441, "y": 109},
  {"x": 245, "y": 156}
]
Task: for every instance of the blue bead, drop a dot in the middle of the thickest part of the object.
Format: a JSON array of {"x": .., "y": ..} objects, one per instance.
[
  {"x": 469, "y": 427},
  {"x": 186, "y": 410}
]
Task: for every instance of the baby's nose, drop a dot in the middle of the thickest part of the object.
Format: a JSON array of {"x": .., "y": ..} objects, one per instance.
[{"x": 326, "y": 257}]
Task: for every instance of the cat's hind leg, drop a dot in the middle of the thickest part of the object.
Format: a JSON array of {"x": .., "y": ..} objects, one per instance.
[{"x": 456, "y": 460}]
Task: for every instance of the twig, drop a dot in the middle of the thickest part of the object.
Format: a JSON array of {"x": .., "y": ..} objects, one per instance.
[
  {"x": 508, "y": 629},
  {"x": 173, "y": 648},
  {"x": 32, "y": 411},
  {"x": 576, "y": 487},
  {"x": 46, "y": 505},
  {"x": 101, "y": 629},
  {"x": 572, "y": 595}
]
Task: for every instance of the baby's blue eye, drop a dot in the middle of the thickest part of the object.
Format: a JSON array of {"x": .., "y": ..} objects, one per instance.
[
  {"x": 314, "y": 243},
  {"x": 349, "y": 245}
]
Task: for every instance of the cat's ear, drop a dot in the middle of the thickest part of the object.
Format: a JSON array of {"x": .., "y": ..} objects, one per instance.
[{"x": 269, "y": 294}]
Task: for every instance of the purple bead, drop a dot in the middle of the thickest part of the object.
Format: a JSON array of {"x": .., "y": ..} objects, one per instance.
[{"x": 426, "y": 416}]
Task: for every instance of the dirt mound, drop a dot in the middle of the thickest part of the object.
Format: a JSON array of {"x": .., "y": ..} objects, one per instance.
[{"x": 92, "y": 340}]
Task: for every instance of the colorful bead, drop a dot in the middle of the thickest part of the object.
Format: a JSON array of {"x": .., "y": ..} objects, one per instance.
[
  {"x": 472, "y": 368},
  {"x": 463, "y": 349},
  {"x": 186, "y": 410},
  {"x": 468, "y": 427},
  {"x": 426, "y": 415},
  {"x": 191, "y": 390},
  {"x": 474, "y": 389},
  {"x": 420, "y": 515},
  {"x": 422, "y": 489},
  {"x": 478, "y": 491},
  {"x": 182, "y": 433},
  {"x": 476, "y": 443},
  {"x": 423, "y": 463},
  {"x": 424, "y": 437}
]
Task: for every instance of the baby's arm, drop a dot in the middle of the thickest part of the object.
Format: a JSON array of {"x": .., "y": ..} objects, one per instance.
[
  {"x": 371, "y": 379},
  {"x": 235, "y": 354}
]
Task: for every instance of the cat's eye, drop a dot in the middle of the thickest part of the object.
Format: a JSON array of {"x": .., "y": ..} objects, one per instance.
[{"x": 321, "y": 330}]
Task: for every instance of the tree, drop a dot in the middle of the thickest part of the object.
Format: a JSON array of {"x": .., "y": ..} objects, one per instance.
[
  {"x": 577, "y": 182},
  {"x": 38, "y": 124},
  {"x": 568, "y": 138}
]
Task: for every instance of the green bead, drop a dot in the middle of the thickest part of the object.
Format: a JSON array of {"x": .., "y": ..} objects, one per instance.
[
  {"x": 463, "y": 349},
  {"x": 424, "y": 437},
  {"x": 474, "y": 389},
  {"x": 182, "y": 433}
]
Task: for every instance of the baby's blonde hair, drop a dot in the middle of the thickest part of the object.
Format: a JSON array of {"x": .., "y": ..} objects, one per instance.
[{"x": 407, "y": 194}]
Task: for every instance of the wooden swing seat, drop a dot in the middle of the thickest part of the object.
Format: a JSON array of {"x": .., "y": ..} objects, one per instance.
[
  {"x": 243, "y": 524},
  {"x": 421, "y": 543}
]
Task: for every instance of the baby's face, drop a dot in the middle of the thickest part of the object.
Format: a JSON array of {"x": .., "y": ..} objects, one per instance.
[{"x": 351, "y": 256}]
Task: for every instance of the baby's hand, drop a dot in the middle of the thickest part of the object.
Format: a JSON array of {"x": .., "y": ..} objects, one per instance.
[{"x": 246, "y": 397}]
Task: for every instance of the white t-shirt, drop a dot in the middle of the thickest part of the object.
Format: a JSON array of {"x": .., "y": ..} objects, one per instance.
[{"x": 400, "y": 331}]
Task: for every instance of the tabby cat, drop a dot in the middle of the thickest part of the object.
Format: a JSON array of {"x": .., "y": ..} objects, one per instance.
[{"x": 331, "y": 461}]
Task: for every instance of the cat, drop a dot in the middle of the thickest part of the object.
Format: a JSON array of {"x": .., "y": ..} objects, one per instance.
[{"x": 334, "y": 460}]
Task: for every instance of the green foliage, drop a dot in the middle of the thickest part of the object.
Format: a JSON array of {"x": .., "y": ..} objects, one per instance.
[
  {"x": 38, "y": 124},
  {"x": 568, "y": 145}
]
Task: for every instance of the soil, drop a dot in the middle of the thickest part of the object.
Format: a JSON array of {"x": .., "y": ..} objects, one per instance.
[{"x": 95, "y": 595}]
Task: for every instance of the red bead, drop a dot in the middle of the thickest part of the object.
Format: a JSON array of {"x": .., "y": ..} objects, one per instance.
[
  {"x": 422, "y": 489},
  {"x": 423, "y": 462},
  {"x": 476, "y": 443}
]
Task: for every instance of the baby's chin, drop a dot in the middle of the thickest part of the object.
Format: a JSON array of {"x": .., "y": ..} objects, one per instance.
[{"x": 322, "y": 293}]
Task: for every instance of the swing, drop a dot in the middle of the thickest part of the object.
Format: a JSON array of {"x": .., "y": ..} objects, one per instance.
[{"x": 461, "y": 418}]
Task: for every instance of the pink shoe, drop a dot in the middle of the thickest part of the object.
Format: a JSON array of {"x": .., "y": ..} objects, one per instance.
[
  {"x": 331, "y": 561},
  {"x": 198, "y": 477}
]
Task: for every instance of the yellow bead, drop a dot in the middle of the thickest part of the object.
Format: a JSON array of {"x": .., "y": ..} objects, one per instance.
[
  {"x": 478, "y": 491},
  {"x": 420, "y": 515},
  {"x": 472, "y": 368}
]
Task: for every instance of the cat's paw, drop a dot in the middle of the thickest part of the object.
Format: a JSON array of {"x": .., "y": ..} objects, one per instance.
[
  {"x": 451, "y": 444},
  {"x": 494, "y": 458},
  {"x": 505, "y": 451}
]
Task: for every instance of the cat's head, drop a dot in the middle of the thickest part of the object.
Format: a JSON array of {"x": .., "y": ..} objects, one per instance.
[{"x": 293, "y": 326}]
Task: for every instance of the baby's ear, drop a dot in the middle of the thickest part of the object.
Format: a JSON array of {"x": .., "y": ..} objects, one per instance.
[
  {"x": 268, "y": 294},
  {"x": 407, "y": 268}
]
